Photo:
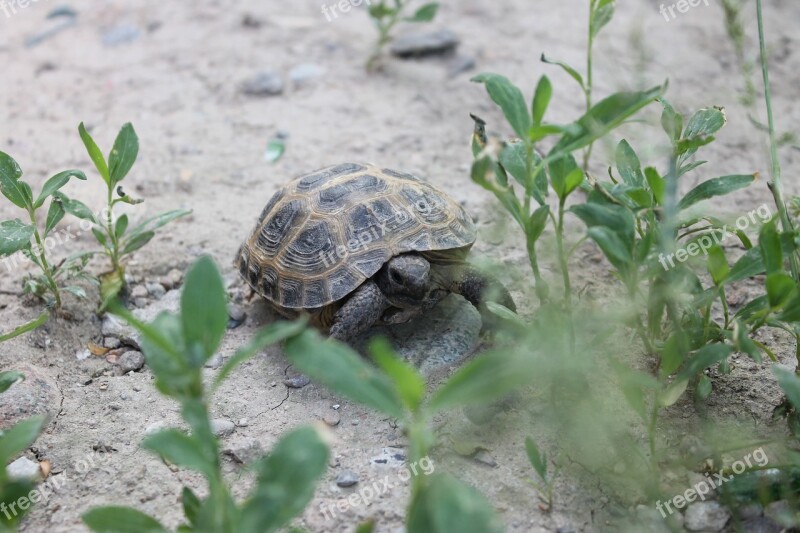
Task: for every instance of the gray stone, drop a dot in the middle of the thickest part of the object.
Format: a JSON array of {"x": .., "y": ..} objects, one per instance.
[
  {"x": 222, "y": 427},
  {"x": 156, "y": 290},
  {"x": 750, "y": 511},
  {"x": 459, "y": 65},
  {"x": 37, "y": 394},
  {"x": 332, "y": 419},
  {"x": 215, "y": 362},
  {"x": 111, "y": 343},
  {"x": 267, "y": 83},
  {"x": 23, "y": 469},
  {"x": 245, "y": 452},
  {"x": 121, "y": 34},
  {"x": 424, "y": 44},
  {"x": 236, "y": 316},
  {"x": 706, "y": 516},
  {"x": 762, "y": 524},
  {"x": 139, "y": 291},
  {"x": 296, "y": 382},
  {"x": 486, "y": 458},
  {"x": 306, "y": 72},
  {"x": 781, "y": 513},
  {"x": 348, "y": 478},
  {"x": 440, "y": 338},
  {"x": 114, "y": 327},
  {"x": 130, "y": 361}
]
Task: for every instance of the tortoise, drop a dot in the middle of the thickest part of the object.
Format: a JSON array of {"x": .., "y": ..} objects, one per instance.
[{"x": 355, "y": 245}]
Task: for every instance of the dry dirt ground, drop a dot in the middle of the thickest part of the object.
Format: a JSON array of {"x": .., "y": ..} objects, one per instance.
[{"x": 177, "y": 78}]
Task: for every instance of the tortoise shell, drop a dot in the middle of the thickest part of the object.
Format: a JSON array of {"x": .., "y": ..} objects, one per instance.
[{"x": 323, "y": 234}]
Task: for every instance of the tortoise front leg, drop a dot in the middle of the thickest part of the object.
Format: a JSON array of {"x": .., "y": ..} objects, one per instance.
[
  {"x": 363, "y": 309},
  {"x": 479, "y": 288}
]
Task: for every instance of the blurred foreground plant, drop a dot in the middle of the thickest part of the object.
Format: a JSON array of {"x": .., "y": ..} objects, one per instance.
[{"x": 176, "y": 347}]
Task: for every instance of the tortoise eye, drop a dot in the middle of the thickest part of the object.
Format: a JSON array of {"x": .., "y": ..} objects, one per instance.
[{"x": 395, "y": 277}]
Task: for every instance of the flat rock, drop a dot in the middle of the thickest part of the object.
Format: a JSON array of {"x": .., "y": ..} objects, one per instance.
[
  {"x": 442, "y": 337},
  {"x": 130, "y": 361},
  {"x": 706, "y": 516},
  {"x": 348, "y": 478},
  {"x": 267, "y": 83},
  {"x": 38, "y": 394},
  {"x": 222, "y": 427},
  {"x": 424, "y": 44},
  {"x": 23, "y": 469}
]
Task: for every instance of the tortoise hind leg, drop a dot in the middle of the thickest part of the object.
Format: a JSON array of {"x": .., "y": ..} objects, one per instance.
[{"x": 363, "y": 309}]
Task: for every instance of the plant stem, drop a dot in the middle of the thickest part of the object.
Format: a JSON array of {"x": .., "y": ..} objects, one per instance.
[
  {"x": 47, "y": 269},
  {"x": 112, "y": 235},
  {"x": 775, "y": 184},
  {"x": 589, "y": 82}
]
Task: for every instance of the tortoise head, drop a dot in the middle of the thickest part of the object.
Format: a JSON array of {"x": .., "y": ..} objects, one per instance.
[{"x": 405, "y": 280}]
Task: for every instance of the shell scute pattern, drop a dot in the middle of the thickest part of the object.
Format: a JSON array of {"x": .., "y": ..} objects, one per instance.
[{"x": 325, "y": 233}]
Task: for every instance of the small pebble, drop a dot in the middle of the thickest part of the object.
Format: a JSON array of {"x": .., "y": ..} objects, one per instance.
[
  {"x": 243, "y": 423},
  {"x": 348, "y": 478},
  {"x": 706, "y": 516},
  {"x": 222, "y": 427},
  {"x": 267, "y": 83},
  {"x": 140, "y": 302},
  {"x": 424, "y": 44},
  {"x": 111, "y": 343},
  {"x": 215, "y": 362},
  {"x": 156, "y": 290},
  {"x": 131, "y": 361},
  {"x": 236, "y": 316},
  {"x": 306, "y": 72},
  {"x": 332, "y": 419},
  {"x": 139, "y": 291},
  {"x": 297, "y": 382}
]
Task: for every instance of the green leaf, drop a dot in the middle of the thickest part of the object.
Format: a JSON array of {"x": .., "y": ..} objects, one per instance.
[
  {"x": 568, "y": 69},
  {"x": 407, "y": 381},
  {"x": 749, "y": 265},
  {"x": 604, "y": 117},
  {"x": 601, "y": 16},
  {"x": 275, "y": 150},
  {"x": 94, "y": 153},
  {"x": 75, "y": 208},
  {"x": 17, "y": 439},
  {"x": 182, "y": 450},
  {"x": 613, "y": 247},
  {"x": 656, "y": 183},
  {"x": 617, "y": 218},
  {"x": 14, "y": 236},
  {"x": 481, "y": 170},
  {"x": 9, "y": 378},
  {"x": 121, "y": 226},
  {"x": 537, "y": 223},
  {"x": 565, "y": 176},
  {"x": 191, "y": 506},
  {"x": 704, "y": 387},
  {"x": 537, "y": 459},
  {"x": 77, "y": 291},
  {"x": 55, "y": 213},
  {"x": 674, "y": 353},
  {"x": 672, "y": 393},
  {"x": 204, "y": 309},
  {"x": 286, "y": 481},
  {"x": 780, "y": 289},
  {"x": 769, "y": 242},
  {"x": 425, "y": 13},
  {"x": 114, "y": 519},
  {"x": 344, "y": 371},
  {"x": 30, "y": 326},
  {"x": 272, "y": 334},
  {"x": 716, "y": 187},
  {"x": 10, "y": 186},
  {"x": 704, "y": 358},
  {"x": 150, "y": 225},
  {"x": 509, "y": 98},
  {"x": 55, "y": 183},
  {"x": 628, "y": 165},
  {"x": 717, "y": 265},
  {"x": 671, "y": 121},
  {"x": 541, "y": 99},
  {"x": 790, "y": 383},
  {"x": 111, "y": 283},
  {"x": 701, "y": 127},
  {"x": 137, "y": 241},
  {"x": 444, "y": 505},
  {"x": 483, "y": 379},
  {"x": 123, "y": 154}
]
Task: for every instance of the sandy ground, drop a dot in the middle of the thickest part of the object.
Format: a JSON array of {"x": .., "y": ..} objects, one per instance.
[{"x": 202, "y": 147}]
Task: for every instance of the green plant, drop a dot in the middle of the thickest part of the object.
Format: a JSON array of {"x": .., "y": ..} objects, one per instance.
[
  {"x": 117, "y": 239},
  {"x": 439, "y": 502},
  {"x": 538, "y": 461},
  {"x": 600, "y": 14},
  {"x": 386, "y": 17},
  {"x": 176, "y": 347},
  {"x": 12, "y": 442},
  {"x": 31, "y": 239}
]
